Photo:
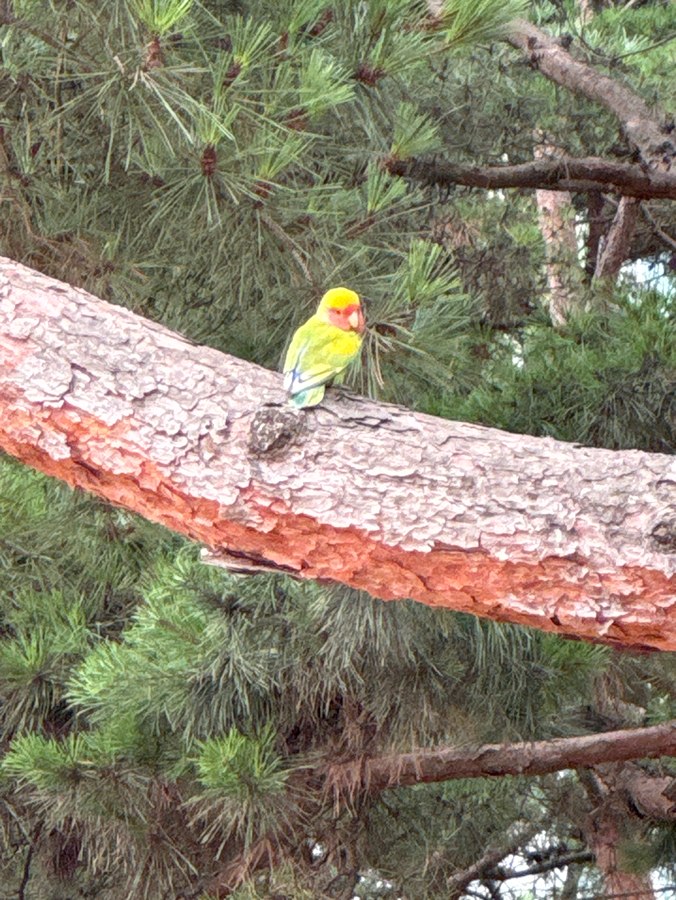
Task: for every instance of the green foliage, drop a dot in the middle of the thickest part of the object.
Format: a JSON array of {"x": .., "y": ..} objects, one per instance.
[
  {"x": 250, "y": 41},
  {"x": 161, "y": 16},
  {"x": 323, "y": 84},
  {"x": 241, "y": 767},
  {"x": 428, "y": 275},
  {"x": 414, "y": 133},
  {"x": 45, "y": 763},
  {"x": 216, "y": 165},
  {"x": 467, "y": 22},
  {"x": 606, "y": 380},
  {"x": 382, "y": 190},
  {"x": 245, "y": 784}
]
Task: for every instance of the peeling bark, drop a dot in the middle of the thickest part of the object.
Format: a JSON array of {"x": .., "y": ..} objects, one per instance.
[
  {"x": 604, "y": 837},
  {"x": 529, "y": 530},
  {"x": 427, "y": 766}
]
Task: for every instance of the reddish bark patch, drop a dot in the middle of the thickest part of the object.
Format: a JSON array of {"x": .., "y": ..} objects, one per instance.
[{"x": 629, "y": 606}]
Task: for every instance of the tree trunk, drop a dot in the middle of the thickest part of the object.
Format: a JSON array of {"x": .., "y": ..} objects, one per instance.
[
  {"x": 609, "y": 823},
  {"x": 617, "y": 244},
  {"x": 556, "y": 217},
  {"x": 604, "y": 838},
  {"x": 529, "y": 530}
]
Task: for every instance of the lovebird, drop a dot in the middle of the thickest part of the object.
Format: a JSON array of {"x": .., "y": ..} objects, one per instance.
[{"x": 323, "y": 347}]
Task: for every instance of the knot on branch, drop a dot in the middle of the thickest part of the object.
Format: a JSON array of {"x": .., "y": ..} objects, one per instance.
[
  {"x": 273, "y": 428},
  {"x": 664, "y": 535}
]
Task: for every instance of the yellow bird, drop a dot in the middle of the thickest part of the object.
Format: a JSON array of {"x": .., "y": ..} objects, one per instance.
[{"x": 323, "y": 347}]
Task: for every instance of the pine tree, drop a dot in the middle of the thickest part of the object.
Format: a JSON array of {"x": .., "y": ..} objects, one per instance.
[{"x": 171, "y": 730}]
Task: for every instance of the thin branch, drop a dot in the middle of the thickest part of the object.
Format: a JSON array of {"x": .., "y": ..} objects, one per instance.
[
  {"x": 585, "y": 175},
  {"x": 457, "y": 883},
  {"x": 555, "y": 862},
  {"x": 21, "y": 892},
  {"x": 614, "y": 59},
  {"x": 295, "y": 248},
  {"x": 659, "y": 231},
  {"x": 425, "y": 766}
]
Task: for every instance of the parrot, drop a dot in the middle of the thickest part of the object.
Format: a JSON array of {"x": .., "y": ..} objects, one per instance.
[{"x": 323, "y": 347}]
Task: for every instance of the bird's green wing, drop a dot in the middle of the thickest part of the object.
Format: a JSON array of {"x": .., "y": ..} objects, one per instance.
[{"x": 317, "y": 353}]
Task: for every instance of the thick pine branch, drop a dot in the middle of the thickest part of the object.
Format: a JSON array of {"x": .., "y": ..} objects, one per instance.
[
  {"x": 587, "y": 175},
  {"x": 642, "y": 126},
  {"x": 529, "y": 530}
]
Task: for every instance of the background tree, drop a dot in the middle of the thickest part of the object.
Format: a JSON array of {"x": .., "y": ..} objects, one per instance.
[{"x": 170, "y": 730}]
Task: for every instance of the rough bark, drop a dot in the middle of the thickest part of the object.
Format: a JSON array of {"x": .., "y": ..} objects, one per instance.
[
  {"x": 598, "y": 225},
  {"x": 647, "y": 794},
  {"x": 585, "y": 175},
  {"x": 425, "y": 766},
  {"x": 530, "y": 530}
]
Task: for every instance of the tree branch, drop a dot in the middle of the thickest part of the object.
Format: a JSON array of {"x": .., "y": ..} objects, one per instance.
[
  {"x": 586, "y": 175},
  {"x": 529, "y": 530},
  {"x": 641, "y": 125},
  {"x": 666, "y": 239},
  {"x": 459, "y": 881},
  {"x": 557, "y": 861},
  {"x": 426, "y": 766},
  {"x": 649, "y": 794},
  {"x": 618, "y": 240}
]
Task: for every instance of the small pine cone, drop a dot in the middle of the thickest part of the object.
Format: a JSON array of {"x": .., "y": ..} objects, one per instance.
[
  {"x": 319, "y": 26},
  {"x": 368, "y": 75},
  {"x": 263, "y": 189},
  {"x": 231, "y": 74},
  {"x": 154, "y": 54},
  {"x": 209, "y": 161},
  {"x": 298, "y": 119}
]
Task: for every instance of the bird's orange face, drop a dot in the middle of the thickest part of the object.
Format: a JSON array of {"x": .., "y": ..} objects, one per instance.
[
  {"x": 350, "y": 318},
  {"x": 342, "y": 307}
]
